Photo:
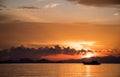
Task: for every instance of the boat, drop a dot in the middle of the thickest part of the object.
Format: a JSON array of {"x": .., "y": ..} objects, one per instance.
[{"x": 92, "y": 63}]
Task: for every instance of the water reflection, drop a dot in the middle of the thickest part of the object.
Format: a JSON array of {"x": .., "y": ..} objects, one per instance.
[
  {"x": 88, "y": 70},
  {"x": 59, "y": 70}
]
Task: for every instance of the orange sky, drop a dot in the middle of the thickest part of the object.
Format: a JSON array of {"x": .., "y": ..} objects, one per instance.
[
  {"x": 37, "y": 34},
  {"x": 76, "y": 23}
]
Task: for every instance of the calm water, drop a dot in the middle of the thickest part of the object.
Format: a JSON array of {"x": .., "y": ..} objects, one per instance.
[{"x": 59, "y": 70}]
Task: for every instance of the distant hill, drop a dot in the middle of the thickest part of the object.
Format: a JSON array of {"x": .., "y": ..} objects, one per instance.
[{"x": 107, "y": 59}]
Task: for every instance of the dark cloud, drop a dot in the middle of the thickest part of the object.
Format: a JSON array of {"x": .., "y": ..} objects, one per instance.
[
  {"x": 2, "y": 5},
  {"x": 98, "y": 3},
  {"x": 28, "y": 7},
  {"x": 5, "y": 17},
  {"x": 23, "y": 52},
  {"x": 1, "y": 1}
]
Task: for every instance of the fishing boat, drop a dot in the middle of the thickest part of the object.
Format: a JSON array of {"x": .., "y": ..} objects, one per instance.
[{"x": 92, "y": 63}]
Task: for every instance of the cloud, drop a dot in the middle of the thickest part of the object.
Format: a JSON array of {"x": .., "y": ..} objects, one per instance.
[
  {"x": 53, "y": 5},
  {"x": 2, "y": 7},
  {"x": 23, "y": 52},
  {"x": 98, "y": 3},
  {"x": 5, "y": 17},
  {"x": 36, "y": 53},
  {"x": 39, "y": 0},
  {"x": 1, "y": 1},
  {"x": 2, "y": 4},
  {"x": 116, "y": 14},
  {"x": 9, "y": 16},
  {"x": 23, "y": 14},
  {"x": 3, "y": 14},
  {"x": 28, "y": 7}
]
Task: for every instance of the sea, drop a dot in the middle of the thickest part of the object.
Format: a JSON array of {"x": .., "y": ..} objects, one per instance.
[{"x": 59, "y": 70}]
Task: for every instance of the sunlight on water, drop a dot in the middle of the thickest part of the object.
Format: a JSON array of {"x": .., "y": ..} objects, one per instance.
[
  {"x": 59, "y": 70},
  {"x": 88, "y": 69}
]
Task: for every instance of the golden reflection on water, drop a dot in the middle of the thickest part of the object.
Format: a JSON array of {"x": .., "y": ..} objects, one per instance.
[
  {"x": 59, "y": 70},
  {"x": 88, "y": 70}
]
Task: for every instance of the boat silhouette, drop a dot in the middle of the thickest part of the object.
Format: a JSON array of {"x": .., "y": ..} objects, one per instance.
[{"x": 92, "y": 63}]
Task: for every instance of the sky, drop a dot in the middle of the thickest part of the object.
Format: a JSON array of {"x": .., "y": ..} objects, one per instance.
[
  {"x": 60, "y": 11},
  {"x": 74, "y": 23}
]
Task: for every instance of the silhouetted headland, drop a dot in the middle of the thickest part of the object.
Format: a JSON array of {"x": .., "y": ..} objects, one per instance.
[{"x": 93, "y": 60}]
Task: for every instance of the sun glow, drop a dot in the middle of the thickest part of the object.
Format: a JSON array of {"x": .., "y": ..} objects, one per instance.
[
  {"x": 80, "y": 45},
  {"x": 88, "y": 55}
]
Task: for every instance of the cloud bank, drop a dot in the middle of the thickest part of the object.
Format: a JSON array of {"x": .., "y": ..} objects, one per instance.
[
  {"x": 28, "y": 7},
  {"x": 23, "y": 52},
  {"x": 98, "y": 3}
]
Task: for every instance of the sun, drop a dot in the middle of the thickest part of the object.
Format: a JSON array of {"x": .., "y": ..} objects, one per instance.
[
  {"x": 88, "y": 55},
  {"x": 75, "y": 45}
]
